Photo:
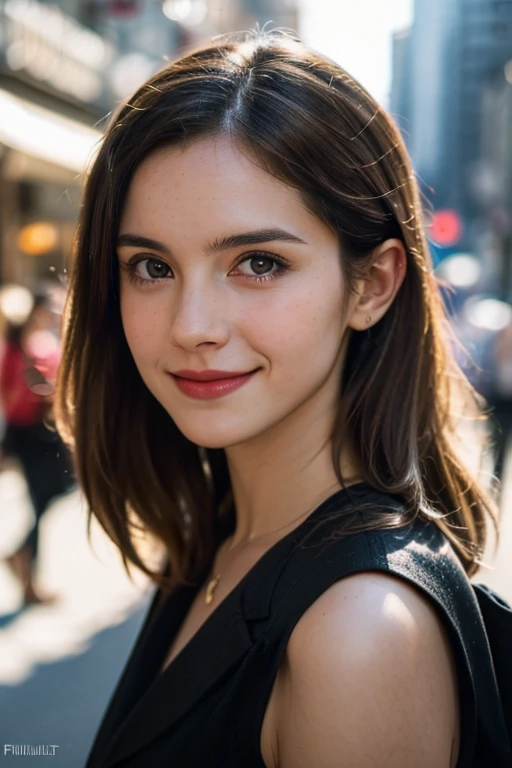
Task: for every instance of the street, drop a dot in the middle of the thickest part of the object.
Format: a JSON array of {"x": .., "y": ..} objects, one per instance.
[{"x": 59, "y": 664}]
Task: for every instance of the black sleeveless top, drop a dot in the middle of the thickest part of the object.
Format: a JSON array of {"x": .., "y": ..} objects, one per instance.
[{"x": 206, "y": 708}]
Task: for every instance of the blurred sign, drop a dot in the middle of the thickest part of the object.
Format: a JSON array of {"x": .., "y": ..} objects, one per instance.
[{"x": 49, "y": 45}]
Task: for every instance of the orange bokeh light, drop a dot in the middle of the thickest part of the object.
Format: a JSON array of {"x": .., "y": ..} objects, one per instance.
[{"x": 38, "y": 238}]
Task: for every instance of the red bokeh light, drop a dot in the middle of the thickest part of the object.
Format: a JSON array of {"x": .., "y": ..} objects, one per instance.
[{"x": 446, "y": 228}]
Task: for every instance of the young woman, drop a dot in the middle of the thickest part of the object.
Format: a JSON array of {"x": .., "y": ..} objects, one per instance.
[{"x": 256, "y": 373}]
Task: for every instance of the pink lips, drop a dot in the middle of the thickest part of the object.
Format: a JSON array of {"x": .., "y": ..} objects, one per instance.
[{"x": 209, "y": 385}]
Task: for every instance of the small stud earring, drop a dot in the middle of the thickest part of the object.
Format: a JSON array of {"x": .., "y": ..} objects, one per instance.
[{"x": 368, "y": 319}]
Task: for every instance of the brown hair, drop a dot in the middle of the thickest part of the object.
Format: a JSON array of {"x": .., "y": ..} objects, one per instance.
[{"x": 306, "y": 121}]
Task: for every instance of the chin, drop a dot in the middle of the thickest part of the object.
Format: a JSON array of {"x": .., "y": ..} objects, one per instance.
[
  {"x": 209, "y": 435},
  {"x": 216, "y": 432}
]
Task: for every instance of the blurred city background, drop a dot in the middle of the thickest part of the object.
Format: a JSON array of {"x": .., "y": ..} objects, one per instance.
[{"x": 443, "y": 68}]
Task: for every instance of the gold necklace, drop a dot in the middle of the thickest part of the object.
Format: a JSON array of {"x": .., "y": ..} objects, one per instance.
[
  {"x": 214, "y": 581},
  {"x": 210, "y": 589}
]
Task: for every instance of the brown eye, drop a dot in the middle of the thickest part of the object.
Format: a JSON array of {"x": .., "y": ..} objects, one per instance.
[
  {"x": 155, "y": 269},
  {"x": 147, "y": 270},
  {"x": 260, "y": 265}
]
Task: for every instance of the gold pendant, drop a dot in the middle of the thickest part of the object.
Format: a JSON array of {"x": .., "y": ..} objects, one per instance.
[{"x": 210, "y": 589}]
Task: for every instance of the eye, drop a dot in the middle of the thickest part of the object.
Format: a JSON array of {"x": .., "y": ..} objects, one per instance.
[
  {"x": 148, "y": 269},
  {"x": 260, "y": 266},
  {"x": 153, "y": 269}
]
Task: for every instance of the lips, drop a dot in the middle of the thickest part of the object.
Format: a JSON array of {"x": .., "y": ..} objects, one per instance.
[
  {"x": 210, "y": 385},
  {"x": 208, "y": 375}
]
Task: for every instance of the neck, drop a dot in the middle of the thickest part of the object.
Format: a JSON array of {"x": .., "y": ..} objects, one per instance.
[{"x": 284, "y": 474}]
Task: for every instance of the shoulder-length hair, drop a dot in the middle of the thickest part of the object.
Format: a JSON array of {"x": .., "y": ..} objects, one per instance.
[{"x": 305, "y": 120}]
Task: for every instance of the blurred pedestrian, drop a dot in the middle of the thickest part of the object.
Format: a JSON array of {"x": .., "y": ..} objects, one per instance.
[
  {"x": 28, "y": 370},
  {"x": 500, "y": 397},
  {"x": 256, "y": 373}
]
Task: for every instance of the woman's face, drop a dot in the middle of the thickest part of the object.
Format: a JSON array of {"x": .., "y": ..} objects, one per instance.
[{"x": 222, "y": 268}]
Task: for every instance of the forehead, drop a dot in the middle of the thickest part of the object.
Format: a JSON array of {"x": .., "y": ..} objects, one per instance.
[{"x": 210, "y": 179}]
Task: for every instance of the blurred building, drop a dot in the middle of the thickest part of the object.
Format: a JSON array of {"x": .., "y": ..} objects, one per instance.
[
  {"x": 63, "y": 67},
  {"x": 51, "y": 95},
  {"x": 444, "y": 66},
  {"x": 495, "y": 179},
  {"x": 401, "y": 91}
]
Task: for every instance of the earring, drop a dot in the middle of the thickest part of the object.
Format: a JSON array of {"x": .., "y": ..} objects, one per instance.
[{"x": 368, "y": 319}]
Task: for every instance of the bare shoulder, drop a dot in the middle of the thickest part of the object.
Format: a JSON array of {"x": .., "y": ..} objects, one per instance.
[{"x": 368, "y": 679}]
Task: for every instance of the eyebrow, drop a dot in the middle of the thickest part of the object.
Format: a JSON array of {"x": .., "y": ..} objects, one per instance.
[{"x": 254, "y": 237}]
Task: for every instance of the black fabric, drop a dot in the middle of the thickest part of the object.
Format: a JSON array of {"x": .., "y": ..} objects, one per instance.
[
  {"x": 497, "y": 615},
  {"x": 47, "y": 468},
  {"x": 207, "y": 707}
]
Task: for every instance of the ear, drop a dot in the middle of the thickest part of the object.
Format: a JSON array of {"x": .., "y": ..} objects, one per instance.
[{"x": 376, "y": 292}]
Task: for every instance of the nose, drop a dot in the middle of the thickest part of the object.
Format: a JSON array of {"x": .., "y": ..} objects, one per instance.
[{"x": 199, "y": 318}]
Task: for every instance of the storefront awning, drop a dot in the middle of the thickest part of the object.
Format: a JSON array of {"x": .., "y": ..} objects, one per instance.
[{"x": 46, "y": 135}]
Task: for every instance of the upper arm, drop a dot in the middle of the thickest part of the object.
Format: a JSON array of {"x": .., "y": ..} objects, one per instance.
[{"x": 368, "y": 680}]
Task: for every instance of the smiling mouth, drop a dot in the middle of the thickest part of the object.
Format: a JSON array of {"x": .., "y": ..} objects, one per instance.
[{"x": 211, "y": 389}]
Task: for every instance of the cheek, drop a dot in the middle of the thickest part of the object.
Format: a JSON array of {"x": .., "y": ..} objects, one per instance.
[
  {"x": 141, "y": 325},
  {"x": 297, "y": 326}
]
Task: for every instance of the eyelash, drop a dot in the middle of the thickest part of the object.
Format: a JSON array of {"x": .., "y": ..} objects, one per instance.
[{"x": 282, "y": 266}]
